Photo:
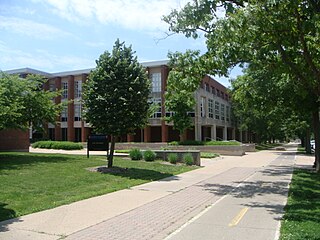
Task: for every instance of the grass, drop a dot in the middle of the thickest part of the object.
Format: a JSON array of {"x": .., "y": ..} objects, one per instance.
[
  {"x": 123, "y": 151},
  {"x": 267, "y": 146},
  {"x": 35, "y": 182},
  {"x": 302, "y": 213},
  {"x": 209, "y": 155}
]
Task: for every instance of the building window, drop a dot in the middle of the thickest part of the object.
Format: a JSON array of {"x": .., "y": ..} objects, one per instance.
[
  {"x": 77, "y": 112},
  {"x": 64, "y": 114},
  {"x": 210, "y": 108},
  {"x": 218, "y": 93},
  {"x": 64, "y": 90},
  {"x": 156, "y": 82},
  {"x": 202, "y": 107},
  {"x": 207, "y": 87},
  {"x": 228, "y": 113},
  {"x": 157, "y": 113},
  {"x": 52, "y": 87},
  {"x": 217, "y": 110},
  {"x": 213, "y": 90},
  {"x": 77, "y": 89},
  {"x": 222, "y": 112},
  {"x": 191, "y": 114},
  {"x": 64, "y": 134}
]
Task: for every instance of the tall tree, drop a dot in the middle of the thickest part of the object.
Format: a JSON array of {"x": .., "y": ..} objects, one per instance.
[
  {"x": 24, "y": 103},
  {"x": 116, "y": 94},
  {"x": 261, "y": 31},
  {"x": 183, "y": 81}
]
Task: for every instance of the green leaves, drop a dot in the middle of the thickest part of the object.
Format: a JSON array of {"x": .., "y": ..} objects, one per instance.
[
  {"x": 116, "y": 93},
  {"x": 23, "y": 102}
]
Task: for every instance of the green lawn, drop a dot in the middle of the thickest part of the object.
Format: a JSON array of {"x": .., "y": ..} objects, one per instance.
[
  {"x": 267, "y": 146},
  {"x": 34, "y": 182},
  {"x": 302, "y": 213}
]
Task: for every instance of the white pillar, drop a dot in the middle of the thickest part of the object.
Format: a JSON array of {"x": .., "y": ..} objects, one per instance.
[
  {"x": 233, "y": 133},
  {"x": 214, "y": 132},
  {"x": 240, "y": 131},
  {"x": 225, "y": 133}
]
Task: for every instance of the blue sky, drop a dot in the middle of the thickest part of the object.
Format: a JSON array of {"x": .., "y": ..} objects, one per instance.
[{"x": 65, "y": 35}]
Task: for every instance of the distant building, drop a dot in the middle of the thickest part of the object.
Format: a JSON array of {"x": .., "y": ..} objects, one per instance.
[{"x": 212, "y": 118}]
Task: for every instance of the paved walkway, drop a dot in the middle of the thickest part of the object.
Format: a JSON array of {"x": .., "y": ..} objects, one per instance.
[{"x": 230, "y": 198}]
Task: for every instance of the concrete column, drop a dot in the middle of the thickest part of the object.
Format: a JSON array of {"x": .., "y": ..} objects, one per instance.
[
  {"x": 225, "y": 133},
  {"x": 57, "y": 129},
  {"x": 240, "y": 135},
  {"x": 197, "y": 132},
  {"x": 214, "y": 132},
  {"x": 70, "y": 130},
  {"x": 147, "y": 134}
]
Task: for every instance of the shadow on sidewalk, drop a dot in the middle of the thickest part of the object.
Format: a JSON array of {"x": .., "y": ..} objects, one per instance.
[
  {"x": 6, "y": 213},
  {"x": 258, "y": 191}
]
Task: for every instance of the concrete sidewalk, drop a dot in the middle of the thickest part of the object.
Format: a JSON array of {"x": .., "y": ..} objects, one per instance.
[{"x": 149, "y": 211}]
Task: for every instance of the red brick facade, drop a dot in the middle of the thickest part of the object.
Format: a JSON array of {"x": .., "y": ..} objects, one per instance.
[{"x": 14, "y": 140}]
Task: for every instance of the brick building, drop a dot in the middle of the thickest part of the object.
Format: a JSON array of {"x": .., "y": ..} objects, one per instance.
[{"x": 212, "y": 116}]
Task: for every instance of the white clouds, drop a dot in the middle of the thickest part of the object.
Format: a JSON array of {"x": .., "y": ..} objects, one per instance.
[
  {"x": 40, "y": 59},
  {"x": 133, "y": 14},
  {"x": 30, "y": 28}
]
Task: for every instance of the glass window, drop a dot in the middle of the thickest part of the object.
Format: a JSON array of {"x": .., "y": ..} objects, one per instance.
[
  {"x": 207, "y": 87},
  {"x": 202, "y": 107},
  {"x": 156, "y": 82},
  {"x": 210, "y": 108},
  {"x": 228, "y": 113},
  {"x": 157, "y": 101},
  {"x": 64, "y": 90},
  {"x": 77, "y": 112},
  {"x": 64, "y": 114},
  {"x": 217, "y": 110},
  {"x": 213, "y": 90},
  {"x": 77, "y": 89},
  {"x": 222, "y": 112}
]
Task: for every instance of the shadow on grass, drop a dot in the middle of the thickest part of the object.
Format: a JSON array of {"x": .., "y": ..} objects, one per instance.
[
  {"x": 6, "y": 213},
  {"x": 10, "y": 161},
  {"x": 138, "y": 173}
]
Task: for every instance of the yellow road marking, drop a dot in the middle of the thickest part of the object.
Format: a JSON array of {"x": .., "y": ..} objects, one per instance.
[{"x": 238, "y": 218}]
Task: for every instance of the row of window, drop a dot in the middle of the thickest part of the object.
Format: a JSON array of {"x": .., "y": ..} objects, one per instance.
[
  {"x": 77, "y": 113},
  {"x": 216, "y": 110},
  {"x": 64, "y": 88},
  {"x": 216, "y": 92}
]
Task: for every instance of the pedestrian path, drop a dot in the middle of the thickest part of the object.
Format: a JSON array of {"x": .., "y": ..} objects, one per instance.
[{"x": 157, "y": 209}]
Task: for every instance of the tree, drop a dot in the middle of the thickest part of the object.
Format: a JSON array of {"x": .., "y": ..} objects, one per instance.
[
  {"x": 184, "y": 79},
  {"x": 116, "y": 94},
  {"x": 24, "y": 103},
  {"x": 261, "y": 32}
]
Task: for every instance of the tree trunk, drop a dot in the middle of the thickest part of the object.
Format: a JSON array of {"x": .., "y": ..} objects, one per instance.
[
  {"x": 307, "y": 143},
  {"x": 110, "y": 156},
  {"x": 316, "y": 129}
]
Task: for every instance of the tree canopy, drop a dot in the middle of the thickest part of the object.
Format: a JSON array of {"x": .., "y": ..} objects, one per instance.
[
  {"x": 116, "y": 94},
  {"x": 24, "y": 103},
  {"x": 282, "y": 35}
]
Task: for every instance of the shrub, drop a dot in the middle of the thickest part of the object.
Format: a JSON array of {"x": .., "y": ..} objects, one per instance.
[
  {"x": 135, "y": 154},
  {"x": 209, "y": 155},
  {"x": 64, "y": 145},
  {"x": 188, "y": 159},
  {"x": 191, "y": 142},
  {"x": 173, "y": 143},
  {"x": 173, "y": 158},
  {"x": 222, "y": 143},
  {"x": 149, "y": 155}
]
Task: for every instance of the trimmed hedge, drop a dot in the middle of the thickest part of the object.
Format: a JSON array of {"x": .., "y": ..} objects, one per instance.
[{"x": 64, "y": 145}]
